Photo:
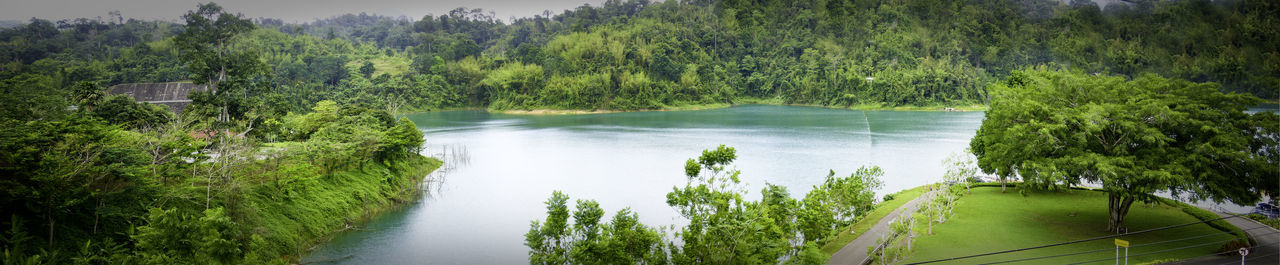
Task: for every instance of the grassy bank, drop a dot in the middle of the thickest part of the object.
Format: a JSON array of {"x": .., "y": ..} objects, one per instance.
[
  {"x": 301, "y": 210},
  {"x": 865, "y": 107},
  {"x": 883, "y": 209},
  {"x": 988, "y": 220}
]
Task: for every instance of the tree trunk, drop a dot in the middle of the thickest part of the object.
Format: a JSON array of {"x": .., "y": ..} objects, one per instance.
[
  {"x": 930, "y": 228},
  {"x": 96, "y": 216},
  {"x": 1002, "y": 182},
  {"x": 1118, "y": 207},
  {"x": 49, "y": 216}
]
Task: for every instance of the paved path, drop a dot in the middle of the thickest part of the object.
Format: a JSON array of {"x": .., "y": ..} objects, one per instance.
[
  {"x": 1266, "y": 252},
  {"x": 856, "y": 251}
]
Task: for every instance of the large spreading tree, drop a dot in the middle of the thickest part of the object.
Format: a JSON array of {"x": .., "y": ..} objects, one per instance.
[
  {"x": 228, "y": 72},
  {"x": 1133, "y": 137}
]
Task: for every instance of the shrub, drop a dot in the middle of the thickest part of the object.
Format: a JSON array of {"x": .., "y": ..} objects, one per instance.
[
  {"x": 1273, "y": 223},
  {"x": 1230, "y": 248},
  {"x": 1205, "y": 215}
]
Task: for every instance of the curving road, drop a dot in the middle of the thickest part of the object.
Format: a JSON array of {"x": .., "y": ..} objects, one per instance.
[
  {"x": 1267, "y": 250},
  {"x": 856, "y": 251}
]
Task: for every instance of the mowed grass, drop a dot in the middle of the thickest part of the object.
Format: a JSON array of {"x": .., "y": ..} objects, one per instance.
[
  {"x": 861, "y": 226},
  {"x": 382, "y": 65},
  {"x": 989, "y": 221}
]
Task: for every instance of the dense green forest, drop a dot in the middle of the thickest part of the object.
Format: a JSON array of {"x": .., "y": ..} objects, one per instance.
[
  {"x": 648, "y": 55},
  {"x": 114, "y": 181},
  {"x": 84, "y": 187}
]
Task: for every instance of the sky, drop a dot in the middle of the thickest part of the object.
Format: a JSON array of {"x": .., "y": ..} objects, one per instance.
[{"x": 291, "y": 11}]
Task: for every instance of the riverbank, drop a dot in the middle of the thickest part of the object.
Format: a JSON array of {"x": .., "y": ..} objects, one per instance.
[
  {"x": 862, "y": 107},
  {"x": 295, "y": 217},
  {"x": 871, "y": 106}
]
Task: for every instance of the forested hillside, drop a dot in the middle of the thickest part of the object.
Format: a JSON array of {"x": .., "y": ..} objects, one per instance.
[
  {"x": 647, "y": 55},
  {"x": 91, "y": 178}
]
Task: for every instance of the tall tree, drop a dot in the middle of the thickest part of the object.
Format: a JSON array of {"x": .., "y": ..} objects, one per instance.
[
  {"x": 207, "y": 51},
  {"x": 1134, "y": 137}
]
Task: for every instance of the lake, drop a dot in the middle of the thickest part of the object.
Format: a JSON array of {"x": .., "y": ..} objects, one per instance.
[
  {"x": 479, "y": 211},
  {"x": 505, "y": 166}
]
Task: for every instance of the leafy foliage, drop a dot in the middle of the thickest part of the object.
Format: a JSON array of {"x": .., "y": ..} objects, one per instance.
[
  {"x": 723, "y": 227},
  {"x": 1135, "y": 137},
  {"x": 639, "y": 54},
  {"x": 623, "y": 240}
]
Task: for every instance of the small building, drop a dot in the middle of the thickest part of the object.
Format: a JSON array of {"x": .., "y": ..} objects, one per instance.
[{"x": 172, "y": 94}]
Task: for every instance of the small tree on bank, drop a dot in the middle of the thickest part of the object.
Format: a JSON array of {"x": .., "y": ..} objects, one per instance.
[{"x": 1134, "y": 137}]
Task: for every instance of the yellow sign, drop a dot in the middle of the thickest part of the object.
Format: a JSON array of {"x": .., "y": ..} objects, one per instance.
[{"x": 1122, "y": 243}]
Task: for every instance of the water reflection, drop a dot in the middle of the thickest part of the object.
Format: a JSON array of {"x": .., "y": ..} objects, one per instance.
[{"x": 454, "y": 157}]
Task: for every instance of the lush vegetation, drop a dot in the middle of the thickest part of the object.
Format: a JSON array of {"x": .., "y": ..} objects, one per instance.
[
  {"x": 1136, "y": 137},
  {"x": 230, "y": 180},
  {"x": 296, "y": 136},
  {"x": 81, "y": 189},
  {"x": 1005, "y": 221},
  {"x": 724, "y": 227},
  {"x": 639, "y": 54}
]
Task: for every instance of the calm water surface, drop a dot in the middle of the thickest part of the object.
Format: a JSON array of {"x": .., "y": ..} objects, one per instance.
[
  {"x": 479, "y": 211},
  {"x": 506, "y": 166}
]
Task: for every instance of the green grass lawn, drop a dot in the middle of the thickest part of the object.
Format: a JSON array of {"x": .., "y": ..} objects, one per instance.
[
  {"x": 902, "y": 197},
  {"x": 989, "y": 221},
  {"x": 383, "y": 65}
]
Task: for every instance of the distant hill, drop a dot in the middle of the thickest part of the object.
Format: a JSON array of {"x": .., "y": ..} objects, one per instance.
[{"x": 5, "y": 24}]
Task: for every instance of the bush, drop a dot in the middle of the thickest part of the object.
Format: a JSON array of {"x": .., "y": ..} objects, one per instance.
[
  {"x": 1205, "y": 215},
  {"x": 1230, "y": 248},
  {"x": 811, "y": 254},
  {"x": 889, "y": 197},
  {"x": 1273, "y": 223}
]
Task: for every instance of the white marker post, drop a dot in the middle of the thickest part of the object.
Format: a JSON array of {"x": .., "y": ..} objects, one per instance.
[
  {"x": 1243, "y": 252},
  {"x": 1125, "y": 244}
]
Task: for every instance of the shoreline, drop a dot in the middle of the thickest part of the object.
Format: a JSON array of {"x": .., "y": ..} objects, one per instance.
[
  {"x": 539, "y": 112},
  {"x": 862, "y": 107},
  {"x": 393, "y": 202},
  {"x": 878, "y": 107}
]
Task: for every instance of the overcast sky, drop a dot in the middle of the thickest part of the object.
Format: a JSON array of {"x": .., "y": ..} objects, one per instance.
[{"x": 298, "y": 11}]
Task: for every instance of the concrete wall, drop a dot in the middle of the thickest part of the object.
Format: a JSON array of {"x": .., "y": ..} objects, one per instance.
[{"x": 173, "y": 94}]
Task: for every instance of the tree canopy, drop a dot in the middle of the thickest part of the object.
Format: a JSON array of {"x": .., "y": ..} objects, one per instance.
[
  {"x": 724, "y": 227},
  {"x": 1133, "y": 137},
  {"x": 207, "y": 50},
  {"x": 639, "y": 54}
]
